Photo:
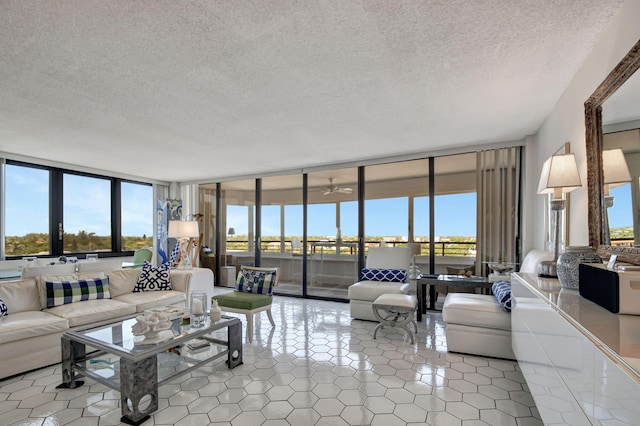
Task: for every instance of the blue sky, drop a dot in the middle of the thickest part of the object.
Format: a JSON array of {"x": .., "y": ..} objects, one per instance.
[
  {"x": 621, "y": 214},
  {"x": 87, "y": 203},
  {"x": 455, "y": 216}
]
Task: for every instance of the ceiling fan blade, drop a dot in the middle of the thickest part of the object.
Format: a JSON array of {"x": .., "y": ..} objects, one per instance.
[
  {"x": 344, "y": 190},
  {"x": 326, "y": 191}
]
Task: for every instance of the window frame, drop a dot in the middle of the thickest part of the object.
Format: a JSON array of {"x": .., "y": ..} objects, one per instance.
[{"x": 56, "y": 209}]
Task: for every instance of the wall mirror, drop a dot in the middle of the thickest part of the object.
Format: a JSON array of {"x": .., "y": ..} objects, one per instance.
[{"x": 613, "y": 108}]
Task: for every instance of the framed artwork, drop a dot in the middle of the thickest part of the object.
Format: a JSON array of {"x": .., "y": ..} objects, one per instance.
[{"x": 167, "y": 210}]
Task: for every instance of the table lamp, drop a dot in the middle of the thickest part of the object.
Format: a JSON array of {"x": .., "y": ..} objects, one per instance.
[
  {"x": 559, "y": 176},
  {"x": 183, "y": 230}
]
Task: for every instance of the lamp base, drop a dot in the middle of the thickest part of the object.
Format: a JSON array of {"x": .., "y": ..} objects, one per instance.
[{"x": 548, "y": 269}]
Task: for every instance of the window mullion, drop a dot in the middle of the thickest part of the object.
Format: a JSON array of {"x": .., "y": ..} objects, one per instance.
[{"x": 56, "y": 222}]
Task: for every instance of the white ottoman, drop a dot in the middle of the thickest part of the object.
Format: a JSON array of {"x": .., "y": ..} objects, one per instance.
[
  {"x": 395, "y": 310},
  {"x": 475, "y": 324}
]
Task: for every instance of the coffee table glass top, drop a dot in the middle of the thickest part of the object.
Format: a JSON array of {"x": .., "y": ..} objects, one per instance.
[{"x": 118, "y": 338}]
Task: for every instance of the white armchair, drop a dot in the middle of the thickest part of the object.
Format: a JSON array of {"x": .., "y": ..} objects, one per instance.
[{"x": 363, "y": 293}]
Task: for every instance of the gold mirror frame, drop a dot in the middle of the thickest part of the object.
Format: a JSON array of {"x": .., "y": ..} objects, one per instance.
[{"x": 593, "y": 122}]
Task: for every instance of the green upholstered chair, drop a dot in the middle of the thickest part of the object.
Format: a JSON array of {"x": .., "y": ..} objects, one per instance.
[
  {"x": 141, "y": 255},
  {"x": 249, "y": 304}
]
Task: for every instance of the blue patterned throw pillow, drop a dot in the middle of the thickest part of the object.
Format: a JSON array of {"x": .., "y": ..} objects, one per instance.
[
  {"x": 502, "y": 292},
  {"x": 64, "y": 292},
  {"x": 392, "y": 275},
  {"x": 259, "y": 282},
  {"x": 4, "y": 311},
  {"x": 153, "y": 278}
]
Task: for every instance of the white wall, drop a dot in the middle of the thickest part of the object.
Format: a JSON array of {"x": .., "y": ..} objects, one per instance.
[{"x": 566, "y": 123}]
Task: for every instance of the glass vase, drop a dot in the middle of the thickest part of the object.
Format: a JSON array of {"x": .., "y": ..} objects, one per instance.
[{"x": 198, "y": 306}]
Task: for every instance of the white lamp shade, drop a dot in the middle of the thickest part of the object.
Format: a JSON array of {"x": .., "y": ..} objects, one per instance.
[
  {"x": 183, "y": 229},
  {"x": 614, "y": 166},
  {"x": 559, "y": 173}
]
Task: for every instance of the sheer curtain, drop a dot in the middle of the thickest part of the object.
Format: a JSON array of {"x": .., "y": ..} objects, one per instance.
[{"x": 498, "y": 179}]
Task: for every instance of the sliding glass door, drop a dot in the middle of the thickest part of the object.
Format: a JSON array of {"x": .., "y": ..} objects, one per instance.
[
  {"x": 332, "y": 229},
  {"x": 282, "y": 230},
  {"x": 238, "y": 228}
]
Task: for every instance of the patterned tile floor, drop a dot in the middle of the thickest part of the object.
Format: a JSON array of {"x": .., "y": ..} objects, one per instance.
[{"x": 316, "y": 367}]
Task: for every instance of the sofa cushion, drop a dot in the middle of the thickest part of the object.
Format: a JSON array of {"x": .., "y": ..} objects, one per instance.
[
  {"x": 502, "y": 292},
  {"x": 36, "y": 271},
  {"x": 100, "y": 265},
  {"x": 258, "y": 282},
  {"x": 478, "y": 310},
  {"x": 390, "y": 275},
  {"x": 3, "y": 309},
  {"x": 153, "y": 278},
  {"x": 92, "y": 311},
  {"x": 122, "y": 281},
  {"x": 42, "y": 287},
  {"x": 242, "y": 300},
  {"x": 64, "y": 292},
  {"x": 27, "y": 324},
  {"x": 153, "y": 299},
  {"x": 371, "y": 290},
  {"x": 21, "y": 295}
]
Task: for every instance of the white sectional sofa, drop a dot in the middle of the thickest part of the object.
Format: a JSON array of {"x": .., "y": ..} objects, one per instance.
[
  {"x": 30, "y": 333},
  {"x": 476, "y": 324}
]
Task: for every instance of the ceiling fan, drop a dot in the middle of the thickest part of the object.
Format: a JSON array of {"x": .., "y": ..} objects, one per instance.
[{"x": 335, "y": 189}]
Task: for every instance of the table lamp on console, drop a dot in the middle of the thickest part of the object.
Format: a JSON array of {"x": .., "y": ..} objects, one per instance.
[
  {"x": 559, "y": 176},
  {"x": 183, "y": 230}
]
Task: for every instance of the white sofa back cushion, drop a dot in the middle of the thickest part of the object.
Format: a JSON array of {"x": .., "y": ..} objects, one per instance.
[
  {"x": 389, "y": 258},
  {"x": 122, "y": 281},
  {"x": 62, "y": 269},
  {"x": 21, "y": 296},
  {"x": 100, "y": 265}
]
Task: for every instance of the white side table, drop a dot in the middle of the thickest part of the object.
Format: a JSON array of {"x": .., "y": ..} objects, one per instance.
[{"x": 227, "y": 276}]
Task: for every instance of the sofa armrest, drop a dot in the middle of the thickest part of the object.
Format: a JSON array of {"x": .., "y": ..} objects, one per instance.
[{"x": 181, "y": 280}]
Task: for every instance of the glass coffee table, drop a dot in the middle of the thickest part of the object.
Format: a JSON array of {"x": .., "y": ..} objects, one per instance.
[{"x": 123, "y": 362}]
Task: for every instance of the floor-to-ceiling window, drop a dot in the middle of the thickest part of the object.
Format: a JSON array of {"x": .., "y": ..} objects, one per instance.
[
  {"x": 26, "y": 211},
  {"x": 238, "y": 228},
  {"x": 397, "y": 207},
  {"x": 332, "y": 232},
  {"x": 282, "y": 230},
  {"x": 87, "y": 214},
  {"x": 207, "y": 206},
  {"x": 137, "y": 224},
  {"x": 455, "y": 213}
]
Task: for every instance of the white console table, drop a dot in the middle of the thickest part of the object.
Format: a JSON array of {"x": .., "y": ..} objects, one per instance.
[{"x": 581, "y": 362}]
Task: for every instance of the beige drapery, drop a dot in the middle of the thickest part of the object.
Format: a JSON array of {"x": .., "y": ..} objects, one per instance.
[{"x": 498, "y": 186}]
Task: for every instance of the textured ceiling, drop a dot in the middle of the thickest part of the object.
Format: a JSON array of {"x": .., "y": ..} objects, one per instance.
[{"x": 184, "y": 91}]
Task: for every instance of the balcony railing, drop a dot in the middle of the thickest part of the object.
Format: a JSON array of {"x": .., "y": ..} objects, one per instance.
[{"x": 442, "y": 248}]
